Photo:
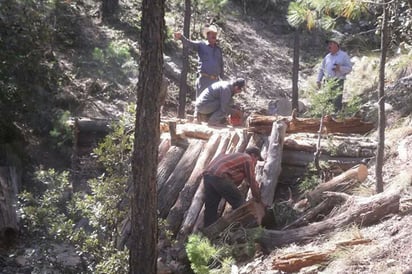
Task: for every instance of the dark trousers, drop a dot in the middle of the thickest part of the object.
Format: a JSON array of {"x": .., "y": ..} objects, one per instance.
[
  {"x": 217, "y": 188},
  {"x": 337, "y": 102}
]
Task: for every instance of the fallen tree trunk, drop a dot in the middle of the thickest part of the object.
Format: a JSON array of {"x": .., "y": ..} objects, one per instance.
[
  {"x": 175, "y": 216},
  {"x": 248, "y": 215},
  {"x": 168, "y": 194},
  {"x": 163, "y": 149},
  {"x": 233, "y": 143},
  {"x": 303, "y": 158},
  {"x": 168, "y": 164},
  {"x": 340, "y": 183},
  {"x": 263, "y": 124},
  {"x": 362, "y": 211},
  {"x": 195, "y": 131},
  {"x": 272, "y": 167},
  {"x": 295, "y": 261},
  {"x": 244, "y": 139},
  {"x": 337, "y": 147},
  {"x": 321, "y": 209}
]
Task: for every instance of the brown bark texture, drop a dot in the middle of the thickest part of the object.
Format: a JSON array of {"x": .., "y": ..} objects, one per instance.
[
  {"x": 273, "y": 163},
  {"x": 340, "y": 183},
  {"x": 362, "y": 211},
  {"x": 248, "y": 215},
  {"x": 196, "y": 205},
  {"x": 169, "y": 192},
  {"x": 175, "y": 216},
  {"x": 263, "y": 124},
  {"x": 143, "y": 244},
  {"x": 168, "y": 164}
]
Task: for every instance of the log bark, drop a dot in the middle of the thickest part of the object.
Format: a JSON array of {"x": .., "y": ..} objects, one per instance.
[
  {"x": 309, "y": 215},
  {"x": 295, "y": 261},
  {"x": 340, "y": 183},
  {"x": 272, "y": 167},
  {"x": 195, "y": 131},
  {"x": 244, "y": 139},
  {"x": 248, "y": 215},
  {"x": 87, "y": 133},
  {"x": 194, "y": 212},
  {"x": 233, "y": 142},
  {"x": 168, "y": 194},
  {"x": 175, "y": 216},
  {"x": 168, "y": 164},
  {"x": 8, "y": 202},
  {"x": 362, "y": 211},
  {"x": 303, "y": 158},
  {"x": 263, "y": 124},
  {"x": 348, "y": 146},
  {"x": 163, "y": 149}
]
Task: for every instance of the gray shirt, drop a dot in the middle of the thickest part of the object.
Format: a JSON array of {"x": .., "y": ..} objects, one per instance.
[
  {"x": 210, "y": 58},
  {"x": 218, "y": 97}
]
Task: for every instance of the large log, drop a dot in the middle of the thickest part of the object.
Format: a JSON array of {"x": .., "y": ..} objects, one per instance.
[
  {"x": 193, "y": 214},
  {"x": 8, "y": 205},
  {"x": 169, "y": 192},
  {"x": 303, "y": 158},
  {"x": 272, "y": 167},
  {"x": 295, "y": 261},
  {"x": 263, "y": 124},
  {"x": 168, "y": 164},
  {"x": 175, "y": 216},
  {"x": 342, "y": 146},
  {"x": 244, "y": 139},
  {"x": 362, "y": 211},
  {"x": 248, "y": 215},
  {"x": 88, "y": 132},
  {"x": 341, "y": 183},
  {"x": 233, "y": 142},
  {"x": 163, "y": 148},
  {"x": 195, "y": 131}
]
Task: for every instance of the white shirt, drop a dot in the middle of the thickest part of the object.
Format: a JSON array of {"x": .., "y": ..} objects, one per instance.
[{"x": 342, "y": 59}]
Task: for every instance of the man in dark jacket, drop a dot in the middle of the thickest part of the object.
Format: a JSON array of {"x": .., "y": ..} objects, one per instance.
[{"x": 223, "y": 176}]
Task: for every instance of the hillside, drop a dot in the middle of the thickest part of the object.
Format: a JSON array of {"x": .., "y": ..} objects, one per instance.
[{"x": 84, "y": 66}]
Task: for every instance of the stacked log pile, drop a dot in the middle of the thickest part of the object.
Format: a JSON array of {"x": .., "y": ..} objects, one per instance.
[{"x": 289, "y": 145}]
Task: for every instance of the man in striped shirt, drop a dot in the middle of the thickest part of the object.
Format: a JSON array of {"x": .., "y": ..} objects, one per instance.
[{"x": 222, "y": 178}]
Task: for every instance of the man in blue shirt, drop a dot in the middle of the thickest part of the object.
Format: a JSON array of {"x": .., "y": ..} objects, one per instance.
[
  {"x": 210, "y": 66},
  {"x": 335, "y": 66},
  {"x": 215, "y": 103}
]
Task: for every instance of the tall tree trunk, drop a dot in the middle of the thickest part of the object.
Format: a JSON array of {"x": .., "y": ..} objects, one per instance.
[
  {"x": 295, "y": 70},
  {"x": 143, "y": 252},
  {"x": 185, "y": 67},
  {"x": 381, "y": 99}
]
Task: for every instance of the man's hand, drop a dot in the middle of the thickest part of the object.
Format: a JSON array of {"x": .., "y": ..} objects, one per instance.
[
  {"x": 318, "y": 84},
  {"x": 336, "y": 68}
]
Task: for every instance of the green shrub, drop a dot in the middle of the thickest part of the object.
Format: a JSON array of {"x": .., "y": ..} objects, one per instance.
[
  {"x": 205, "y": 257},
  {"x": 61, "y": 132}
]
